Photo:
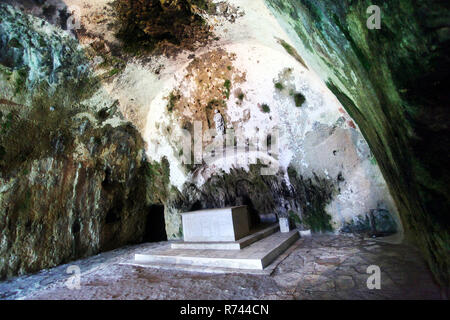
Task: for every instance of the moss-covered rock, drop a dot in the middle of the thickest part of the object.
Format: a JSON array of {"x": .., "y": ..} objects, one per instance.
[
  {"x": 392, "y": 82},
  {"x": 266, "y": 196},
  {"x": 145, "y": 23},
  {"x": 376, "y": 223},
  {"x": 84, "y": 196},
  {"x": 73, "y": 179},
  {"x": 38, "y": 51}
]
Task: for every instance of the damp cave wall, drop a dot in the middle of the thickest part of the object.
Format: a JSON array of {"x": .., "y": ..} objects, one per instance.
[{"x": 393, "y": 82}]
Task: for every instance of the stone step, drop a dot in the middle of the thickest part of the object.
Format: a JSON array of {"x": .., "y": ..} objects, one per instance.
[
  {"x": 256, "y": 256},
  {"x": 255, "y": 235}
]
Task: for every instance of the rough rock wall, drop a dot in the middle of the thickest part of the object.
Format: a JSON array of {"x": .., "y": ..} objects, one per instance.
[
  {"x": 392, "y": 82},
  {"x": 322, "y": 143},
  {"x": 38, "y": 49},
  {"x": 249, "y": 71},
  {"x": 266, "y": 196},
  {"x": 73, "y": 175},
  {"x": 262, "y": 88}
]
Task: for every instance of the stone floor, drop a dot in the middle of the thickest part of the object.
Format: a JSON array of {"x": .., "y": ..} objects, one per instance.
[
  {"x": 317, "y": 267},
  {"x": 258, "y": 255}
]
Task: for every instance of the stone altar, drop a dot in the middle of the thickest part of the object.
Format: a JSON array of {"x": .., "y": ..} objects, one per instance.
[{"x": 224, "y": 224}]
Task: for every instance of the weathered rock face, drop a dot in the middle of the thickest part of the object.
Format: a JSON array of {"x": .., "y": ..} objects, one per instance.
[
  {"x": 148, "y": 22},
  {"x": 73, "y": 178},
  {"x": 392, "y": 82},
  {"x": 263, "y": 90},
  {"x": 86, "y": 172},
  {"x": 38, "y": 49},
  {"x": 266, "y": 196},
  {"x": 262, "y": 87},
  {"x": 66, "y": 206}
]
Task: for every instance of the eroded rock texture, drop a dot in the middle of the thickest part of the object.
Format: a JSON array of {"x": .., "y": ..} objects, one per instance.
[
  {"x": 392, "y": 82},
  {"x": 66, "y": 206},
  {"x": 72, "y": 177},
  {"x": 304, "y": 200}
]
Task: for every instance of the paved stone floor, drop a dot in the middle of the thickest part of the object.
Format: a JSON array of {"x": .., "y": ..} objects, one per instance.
[{"x": 318, "y": 267}]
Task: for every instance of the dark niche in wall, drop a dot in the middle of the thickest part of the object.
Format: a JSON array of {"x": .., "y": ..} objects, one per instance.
[
  {"x": 253, "y": 215},
  {"x": 155, "y": 226}
]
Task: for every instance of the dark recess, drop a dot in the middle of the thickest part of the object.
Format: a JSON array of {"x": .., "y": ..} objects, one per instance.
[
  {"x": 252, "y": 212},
  {"x": 196, "y": 206},
  {"x": 155, "y": 226},
  {"x": 113, "y": 214}
]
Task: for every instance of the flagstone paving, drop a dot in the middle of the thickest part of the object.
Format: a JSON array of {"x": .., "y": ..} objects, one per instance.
[{"x": 317, "y": 267}]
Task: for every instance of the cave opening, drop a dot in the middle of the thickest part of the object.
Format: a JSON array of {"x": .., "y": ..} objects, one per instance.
[{"x": 155, "y": 225}]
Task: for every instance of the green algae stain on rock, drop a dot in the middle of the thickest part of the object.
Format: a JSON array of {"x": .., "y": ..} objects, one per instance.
[
  {"x": 376, "y": 223},
  {"x": 391, "y": 82},
  {"x": 266, "y": 197},
  {"x": 292, "y": 52},
  {"x": 299, "y": 99},
  {"x": 71, "y": 184}
]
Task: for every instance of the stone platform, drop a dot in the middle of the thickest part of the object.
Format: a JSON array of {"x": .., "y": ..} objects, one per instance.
[
  {"x": 253, "y": 257},
  {"x": 221, "y": 239},
  {"x": 255, "y": 235}
]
